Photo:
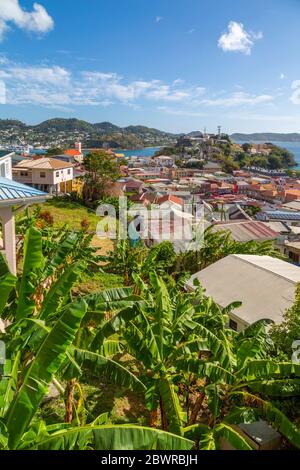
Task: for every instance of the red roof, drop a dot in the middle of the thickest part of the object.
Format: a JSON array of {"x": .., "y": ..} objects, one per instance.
[
  {"x": 170, "y": 198},
  {"x": 72, "y": 152}
]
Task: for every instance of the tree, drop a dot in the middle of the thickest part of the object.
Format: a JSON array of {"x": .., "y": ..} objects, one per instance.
[
  {"x": 54, "y": 151},
  {"x": 217, "y": 245},
  {"x": 246, "y": 147},
  {"x": 274, "y": 162},
  {"x": 101, "y": 170},
  {"x": 288, "y": 331},
  {"x": 228, "y": 164}
]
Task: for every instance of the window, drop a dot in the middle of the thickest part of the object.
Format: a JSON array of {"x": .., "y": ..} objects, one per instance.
[
  {"x": 24, "y": 173},
  {"x": 42, "y": 174},
  {"x": 57, "y": 174},
  {"x": 69, "y": 172},
  {"x": 233, "y": 325}
]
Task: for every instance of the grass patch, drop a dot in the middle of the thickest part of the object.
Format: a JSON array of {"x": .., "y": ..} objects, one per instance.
[
  {"x": 70, "y": 213},
  {"x": 95, "y": 281}
]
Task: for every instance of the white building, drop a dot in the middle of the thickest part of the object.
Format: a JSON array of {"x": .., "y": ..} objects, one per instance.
[
  {"x": 164, "y": 161},
  {"x": 47, "y": 174}
]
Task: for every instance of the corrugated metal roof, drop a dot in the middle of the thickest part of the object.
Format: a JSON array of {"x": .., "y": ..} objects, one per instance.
[
  {"x": 278, "y": 215},
  {"x": 10, "y": 190},
  {"x": 266, "y": 286},
  {"x": 247, "y": 231}
]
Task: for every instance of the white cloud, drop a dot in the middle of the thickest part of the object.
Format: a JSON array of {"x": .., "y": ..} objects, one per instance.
[
  {"x": 37, "y": 21},
  {"x": 239, "y": 99},
  {"x": 282, "y": 76},
  {"x": 295, "y": 98},
  {"x": 237, "y": 39},
  {"x": 158, "y": 19},
  {"x": 56, "y": 86}
]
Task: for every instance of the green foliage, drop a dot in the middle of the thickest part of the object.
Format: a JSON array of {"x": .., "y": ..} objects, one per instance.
[
  {"x": 288, "y": 331},
  {"x": 101, "y": 169}
]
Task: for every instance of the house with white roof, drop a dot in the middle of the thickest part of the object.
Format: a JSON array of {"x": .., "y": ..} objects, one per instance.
[
  {"x": 266, "y": 287},
  {"x": 13, "y": 197}
]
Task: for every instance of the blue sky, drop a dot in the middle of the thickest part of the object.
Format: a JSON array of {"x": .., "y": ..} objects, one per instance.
[{"x": 177, "y": 65}]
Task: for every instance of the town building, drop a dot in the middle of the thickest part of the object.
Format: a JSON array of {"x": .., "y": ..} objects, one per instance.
[
  {"x": 46, "y": 174},
  {"x": 246, "y": 231}
]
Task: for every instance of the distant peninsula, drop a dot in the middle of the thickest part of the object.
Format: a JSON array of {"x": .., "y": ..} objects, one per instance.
[{"x": 266, "y": 137}]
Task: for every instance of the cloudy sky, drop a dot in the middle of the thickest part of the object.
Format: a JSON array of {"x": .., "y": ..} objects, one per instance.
[{"x": 177, "y": 65}]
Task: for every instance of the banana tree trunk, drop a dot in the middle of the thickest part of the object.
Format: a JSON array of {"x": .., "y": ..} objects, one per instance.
[
  {"x": 154, "y": 418},
  {"x": 70, "y": 401},
  {"x": 196, "y": 408},
  {"x": 164, "y": 421}
]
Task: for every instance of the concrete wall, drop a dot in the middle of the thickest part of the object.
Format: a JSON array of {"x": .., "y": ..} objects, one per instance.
[
  {"x": 6, "y": 167},
  {"x": 52, "y": 176},
  {"x": 9, "y": 237}
]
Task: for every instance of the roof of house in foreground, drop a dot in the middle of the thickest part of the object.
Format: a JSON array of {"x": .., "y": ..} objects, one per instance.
[
  {"x": 11, "y": 191},
  {"x": 266, "y": 286}
]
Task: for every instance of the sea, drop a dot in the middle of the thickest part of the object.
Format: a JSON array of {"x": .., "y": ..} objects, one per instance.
[{"x": 145, "y": 152}]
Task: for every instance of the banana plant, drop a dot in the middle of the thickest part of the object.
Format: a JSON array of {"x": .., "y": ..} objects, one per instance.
[
  {"x": 45, "y": 327},
  {"x": 162, "y": 333},
  {"x": 182, "y": 342}
]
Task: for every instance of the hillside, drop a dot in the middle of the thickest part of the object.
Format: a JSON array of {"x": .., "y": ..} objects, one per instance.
[
  {"x": 59, "y": 132},
  {"x": 64, "y": 125},
  {"x": 266, "y": 137},
  {"x": 7, "y": 124}
]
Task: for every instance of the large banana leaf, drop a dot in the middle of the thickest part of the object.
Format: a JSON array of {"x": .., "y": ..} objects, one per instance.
[
  {"x": 230, "y": 435},
  {"x": 216, "y": 346},
  {"x": 60, "y": 255},
  {"x": 41, "y": 371},
  {"x": 7, "y": 283},
  {"x": 163, "y": 313},
  {"x": 276, "y": 388},
  {"x": 33, "y": 264},
  {"x": 274, "y": 416},
  {"x": 171, "y": 406},
  {"x": 113, "y": 438},
  {"x": 3, "y": 266},
  {"x": 8, "y": 383},
  {"x": 266, "y": 369},
  {"x": 213, "y": 372},
  {"x": 60, "y": 290},
  {"x": 113, "y": 325},
  {"x": 95, "y": 363}
]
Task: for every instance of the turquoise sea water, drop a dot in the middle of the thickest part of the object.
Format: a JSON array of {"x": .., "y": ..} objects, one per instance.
[{"x": 145, "y": 152}]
